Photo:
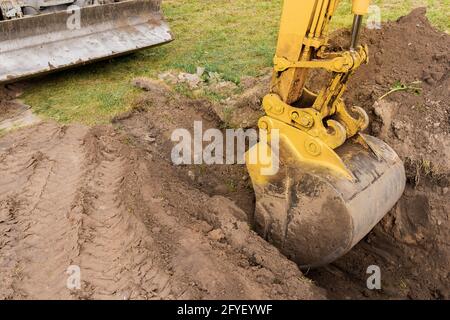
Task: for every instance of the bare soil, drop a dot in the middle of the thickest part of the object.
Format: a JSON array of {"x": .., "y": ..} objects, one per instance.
[
  {"x": 412, "y": 244},
  {"x": 109, "y": 200},
  {"x": 8, "y": 106}
]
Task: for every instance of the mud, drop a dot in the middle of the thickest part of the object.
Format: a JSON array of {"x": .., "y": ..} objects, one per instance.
[{"x": 109, "y": 200}]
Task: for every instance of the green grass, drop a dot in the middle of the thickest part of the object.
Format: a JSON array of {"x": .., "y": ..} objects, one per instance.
[{"x": 232, "y": 37}]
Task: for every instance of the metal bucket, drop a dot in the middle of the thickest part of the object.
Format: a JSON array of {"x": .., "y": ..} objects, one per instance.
[
  {"x": 314, "y": 216},
  {"x": 44, "y": 43}
]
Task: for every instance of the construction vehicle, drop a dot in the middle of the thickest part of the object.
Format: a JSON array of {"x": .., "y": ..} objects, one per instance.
[
  {"x": 41, "y": 36},
  {"x": 333, "y": 183}
]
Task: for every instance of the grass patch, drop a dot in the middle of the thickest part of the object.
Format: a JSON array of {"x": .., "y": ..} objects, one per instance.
[{"x": 234, "y": 38}]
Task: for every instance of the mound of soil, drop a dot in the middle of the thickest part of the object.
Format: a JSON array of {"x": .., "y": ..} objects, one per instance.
[{"x": 412, "y": 244}]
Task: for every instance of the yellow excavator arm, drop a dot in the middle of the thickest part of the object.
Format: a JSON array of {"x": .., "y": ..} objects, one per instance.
[
  {"x": 334, "y": 183},
  {"x": 303, "y": 33},
  {"x": 302, "y": 45}
]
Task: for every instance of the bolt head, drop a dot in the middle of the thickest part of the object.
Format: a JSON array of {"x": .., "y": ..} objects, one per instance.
[{"x": 263, "y": 125}]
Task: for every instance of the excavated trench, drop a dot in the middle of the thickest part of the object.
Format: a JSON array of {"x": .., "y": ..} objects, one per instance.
[{"x": 109, "y": 201}]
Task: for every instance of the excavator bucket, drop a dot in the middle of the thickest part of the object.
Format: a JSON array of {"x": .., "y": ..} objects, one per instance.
[
  {"x": 315, "y": 214},
  {"x": 321, "y": 184},
  {"x": 41, "y": 36}
]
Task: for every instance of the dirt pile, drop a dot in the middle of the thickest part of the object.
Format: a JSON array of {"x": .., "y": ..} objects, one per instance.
[
  {"x": 412, "y": 244},
  {"x": 409, "y": 52},
  {"x": 405, "y": 89}
]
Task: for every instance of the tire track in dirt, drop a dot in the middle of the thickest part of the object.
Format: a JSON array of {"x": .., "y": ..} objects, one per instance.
[
  {"x": 100, "y": 200},
  {"x": 60, "y": 205},
  {"x": 115, "y": 259},
  {"x": 35, "y": 204}
]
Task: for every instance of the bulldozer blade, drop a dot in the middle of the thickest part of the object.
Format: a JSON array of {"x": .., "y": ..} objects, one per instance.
[
  {"x": 313, "y": 215},
  {"x": 44, "y": 43}
]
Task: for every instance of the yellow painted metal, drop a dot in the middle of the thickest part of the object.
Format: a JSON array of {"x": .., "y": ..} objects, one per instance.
[
  {"x": 302, "y": 46},
  {"x": 307, "y": 120},
  {"x": 298, "y": 20},
  {"x": 338, "y": 64},
  {"x": 325, "y": 185},
  {"x": 304, "y": 150},
  {"x": 360, "y": 7},
  {"x": 309, "y": 210}
]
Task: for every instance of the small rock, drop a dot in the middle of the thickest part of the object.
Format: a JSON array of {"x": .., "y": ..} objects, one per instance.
[
  {"x": 200, "y": 71},
  {"x": 205, "y": 227},
  {"x": 440, "y": 56},
  {"x": 378, "y": 58},
  {"x": 150, "y": 139},
  {"x": 216, "y": 235},
  {"x": 399, "y": 130},
  {"x": 245, "y": 178},
  {"x": 191, "y": 175},
  {"x": 168, "y": 77},
  {"x": 193, "y": 80},
  {"x": 379, "y": 79},
  {"x": 444, "y": 191},
  {"x": 430, "y": 81},
  {"x": 437, "y": 125},
  {"x": 437, "y": 75},
  {"x": 148, "y": 84}
]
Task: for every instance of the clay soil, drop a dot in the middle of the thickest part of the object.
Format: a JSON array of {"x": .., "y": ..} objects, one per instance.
[{"x": 109, "y": 200}]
